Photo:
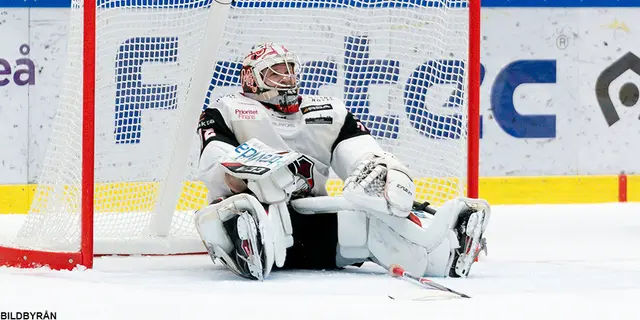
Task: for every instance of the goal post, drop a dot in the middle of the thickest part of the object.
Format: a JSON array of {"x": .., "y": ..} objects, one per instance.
[
  {"x": 473, "y": 100},
  {"x": 120, "y": 174},
  {"x": 87, "y": 163}
]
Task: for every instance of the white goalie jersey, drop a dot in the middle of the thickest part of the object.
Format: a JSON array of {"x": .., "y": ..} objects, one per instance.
[
  {"x": 326, "y": 134},
  {"x": 265, "y": 157}
]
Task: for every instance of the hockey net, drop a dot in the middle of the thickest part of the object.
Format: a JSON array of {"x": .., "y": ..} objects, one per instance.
[{"x": 401, "y": 66}]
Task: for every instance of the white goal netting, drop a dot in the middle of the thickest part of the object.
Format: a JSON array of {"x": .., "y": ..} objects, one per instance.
[{"x": 399, "y": 65}]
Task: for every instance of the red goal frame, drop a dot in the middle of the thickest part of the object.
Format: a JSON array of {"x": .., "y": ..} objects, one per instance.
[
  {"x": 24, "y": 258},
  {"x": 473, "y": 99}
]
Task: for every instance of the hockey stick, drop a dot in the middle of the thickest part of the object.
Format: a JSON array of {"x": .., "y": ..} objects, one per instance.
[{"x": 399, "y": 272}]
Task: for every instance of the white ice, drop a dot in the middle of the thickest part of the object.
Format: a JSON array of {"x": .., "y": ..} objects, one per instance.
[{"x": 544, "y": 262}]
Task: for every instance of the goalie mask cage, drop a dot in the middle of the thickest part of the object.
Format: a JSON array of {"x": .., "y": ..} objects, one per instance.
[{"x": 119, "y": 176}]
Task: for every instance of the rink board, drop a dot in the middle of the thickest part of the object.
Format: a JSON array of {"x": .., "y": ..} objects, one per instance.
[{"x": 128, "y": 197}]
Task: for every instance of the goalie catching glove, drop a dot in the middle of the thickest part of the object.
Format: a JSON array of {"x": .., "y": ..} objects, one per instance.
[{"x": 381, "y": 183}]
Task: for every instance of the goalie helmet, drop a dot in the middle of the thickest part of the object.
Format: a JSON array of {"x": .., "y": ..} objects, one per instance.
[{"x": 270, "y": 74}]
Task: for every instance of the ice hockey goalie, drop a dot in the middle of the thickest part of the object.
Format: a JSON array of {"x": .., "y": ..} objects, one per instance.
[{"x": 266, "y": 153}]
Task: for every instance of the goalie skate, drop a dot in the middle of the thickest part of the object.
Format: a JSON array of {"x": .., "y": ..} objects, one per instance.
[
  {"x": 469, "y": 228},
  {"x": 247, "y": 258},
  {"x": 248, "y": 250}
]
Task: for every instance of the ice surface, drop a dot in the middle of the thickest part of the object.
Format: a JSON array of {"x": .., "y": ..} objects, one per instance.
[{"x": 544, "y": 262}]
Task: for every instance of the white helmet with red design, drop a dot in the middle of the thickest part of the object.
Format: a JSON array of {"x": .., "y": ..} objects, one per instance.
[{"x": 270, "y": 74}]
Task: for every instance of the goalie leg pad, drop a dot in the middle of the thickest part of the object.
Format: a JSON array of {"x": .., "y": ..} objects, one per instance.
[
  {"x": 352, "y": 235},
  {"x": 445, "y": 245},
  {"x": 365, "y": 238},
  {"x": 382, "y": 238},
  {"x": 238, "y": 232}
]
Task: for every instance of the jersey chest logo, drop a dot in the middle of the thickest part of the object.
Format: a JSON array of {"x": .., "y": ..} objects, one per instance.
[{"x": 303, "y": 167}]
